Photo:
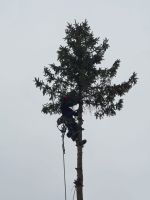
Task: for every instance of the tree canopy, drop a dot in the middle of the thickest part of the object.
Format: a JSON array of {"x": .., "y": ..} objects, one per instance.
[{"x": 80, "y": 70}]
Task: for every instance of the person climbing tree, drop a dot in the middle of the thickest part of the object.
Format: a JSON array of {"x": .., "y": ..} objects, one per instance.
[
  {"x": 68, "y": 118},
  {"x": 80, "y": 69},
  {"x": 68, "y": 114}
]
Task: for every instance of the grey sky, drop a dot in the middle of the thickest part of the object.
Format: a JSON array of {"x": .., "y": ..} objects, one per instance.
[{"x": 116, "y": 157}]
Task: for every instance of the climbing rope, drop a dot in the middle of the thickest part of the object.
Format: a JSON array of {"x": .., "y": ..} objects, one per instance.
[
  {"x": 74, "y": 193},
  {"x": 63, "y": 149},
  {"x": 63, "y": 130}
]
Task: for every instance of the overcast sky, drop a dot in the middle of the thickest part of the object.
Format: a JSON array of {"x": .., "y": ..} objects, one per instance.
[{"x": 117, "y": 154}]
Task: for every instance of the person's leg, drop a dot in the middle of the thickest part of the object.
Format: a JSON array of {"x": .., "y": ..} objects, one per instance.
[{"x": 72, "y": 128}]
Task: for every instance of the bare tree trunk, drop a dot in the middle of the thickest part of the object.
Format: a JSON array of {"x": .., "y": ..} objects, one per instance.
[{"x": 79, "y": 181}]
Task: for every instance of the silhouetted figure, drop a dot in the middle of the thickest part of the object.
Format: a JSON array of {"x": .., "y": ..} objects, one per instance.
[{"x": 68, "y": 116}]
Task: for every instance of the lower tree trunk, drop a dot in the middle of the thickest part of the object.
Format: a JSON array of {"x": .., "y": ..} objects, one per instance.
[{"x": 79, "y": 181}]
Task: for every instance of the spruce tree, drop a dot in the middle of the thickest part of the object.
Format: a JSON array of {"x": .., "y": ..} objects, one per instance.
[{"x": 80, "y": 70}]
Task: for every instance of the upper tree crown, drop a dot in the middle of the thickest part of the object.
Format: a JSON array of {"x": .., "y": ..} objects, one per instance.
[{"x": 80, "y": 70}]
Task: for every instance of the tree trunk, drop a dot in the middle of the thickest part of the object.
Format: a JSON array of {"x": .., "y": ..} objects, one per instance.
[{"x": 79, "y": 181}]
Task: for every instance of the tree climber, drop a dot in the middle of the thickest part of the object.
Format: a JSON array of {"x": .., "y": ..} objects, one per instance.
[{"x": 68, "y": 115}]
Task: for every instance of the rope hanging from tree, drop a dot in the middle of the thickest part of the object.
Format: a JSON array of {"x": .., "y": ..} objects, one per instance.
[{"x": 63, "y": 130}]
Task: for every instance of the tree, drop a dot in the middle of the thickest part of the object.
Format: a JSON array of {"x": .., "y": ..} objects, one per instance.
[{"x": 79, "y": 70}]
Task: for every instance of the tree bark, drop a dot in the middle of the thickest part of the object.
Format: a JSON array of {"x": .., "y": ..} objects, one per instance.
[{"x": 79, "y": 181}]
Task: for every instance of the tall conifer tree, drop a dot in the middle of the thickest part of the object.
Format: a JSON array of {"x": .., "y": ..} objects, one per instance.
[{"x": 80, "y": 70}]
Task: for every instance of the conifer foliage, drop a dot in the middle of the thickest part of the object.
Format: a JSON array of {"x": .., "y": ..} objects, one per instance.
[
  {"x": 80, "y": 70},
  {"x": 80, "y": 74}
]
